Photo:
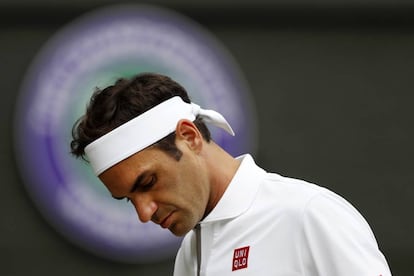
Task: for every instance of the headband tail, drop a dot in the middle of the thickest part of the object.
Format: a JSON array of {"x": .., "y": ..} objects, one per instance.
[{"x": 215, "y": 118}]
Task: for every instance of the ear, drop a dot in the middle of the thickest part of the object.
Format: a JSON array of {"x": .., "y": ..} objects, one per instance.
[{"x": 187, "y": 132}]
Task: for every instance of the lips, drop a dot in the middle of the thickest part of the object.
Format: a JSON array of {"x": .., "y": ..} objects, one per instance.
[{"x": 166, "y": 222}]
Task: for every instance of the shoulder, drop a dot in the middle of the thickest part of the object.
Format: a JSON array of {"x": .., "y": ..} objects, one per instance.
[{"x": 288, "y": 193}]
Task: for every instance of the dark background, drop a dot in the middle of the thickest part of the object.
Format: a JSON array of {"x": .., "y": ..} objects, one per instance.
[{"x": 332, "y": 82}]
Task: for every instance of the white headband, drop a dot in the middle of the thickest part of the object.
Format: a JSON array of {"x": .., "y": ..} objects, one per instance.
[{"x": 146, "y": 129}]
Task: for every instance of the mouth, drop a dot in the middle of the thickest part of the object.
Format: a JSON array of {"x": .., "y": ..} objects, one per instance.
[{"x": 166, "y": 222}]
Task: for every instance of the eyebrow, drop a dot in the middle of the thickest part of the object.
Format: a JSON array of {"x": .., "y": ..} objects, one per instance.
[{"x": 137, "y": 183}]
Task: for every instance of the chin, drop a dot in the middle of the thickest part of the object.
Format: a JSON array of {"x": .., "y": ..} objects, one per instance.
[{"x": 178, "y": 231}]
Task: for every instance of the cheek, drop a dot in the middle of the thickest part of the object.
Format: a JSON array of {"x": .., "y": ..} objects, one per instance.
[
  {"x": 193, "y": 199},
  {"x": 185, "y": 185}
]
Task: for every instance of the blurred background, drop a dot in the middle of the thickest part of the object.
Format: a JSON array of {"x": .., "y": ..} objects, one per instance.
[{"x": 332, "y": 85}]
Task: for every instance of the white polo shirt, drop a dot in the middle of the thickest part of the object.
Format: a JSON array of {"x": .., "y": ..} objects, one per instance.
[{"x": 266, "y": 224}]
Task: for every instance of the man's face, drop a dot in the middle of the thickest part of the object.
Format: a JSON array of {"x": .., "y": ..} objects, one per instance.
[{"x": 168, "y": 192}]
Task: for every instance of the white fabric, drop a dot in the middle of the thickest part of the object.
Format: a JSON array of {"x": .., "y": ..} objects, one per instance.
[
  {"x": 146, "y": 129},
  {"x": 293, "y": 228}
]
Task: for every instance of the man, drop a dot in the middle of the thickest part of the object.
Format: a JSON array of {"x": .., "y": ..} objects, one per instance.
[{"x": 149, "y": 144}]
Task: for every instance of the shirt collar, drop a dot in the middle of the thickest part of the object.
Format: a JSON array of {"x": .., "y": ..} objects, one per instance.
[{"x": 241, "y": 191}]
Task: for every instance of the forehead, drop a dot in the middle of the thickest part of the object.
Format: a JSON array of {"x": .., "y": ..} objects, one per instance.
[{"x": 134, "y": 165}]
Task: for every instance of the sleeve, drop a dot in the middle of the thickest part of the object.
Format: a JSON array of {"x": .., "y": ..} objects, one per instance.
[{"x": 338, "y": 240}]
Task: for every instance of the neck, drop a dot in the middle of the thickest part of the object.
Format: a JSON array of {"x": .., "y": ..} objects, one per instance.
[{"x": 223, "y": 167}]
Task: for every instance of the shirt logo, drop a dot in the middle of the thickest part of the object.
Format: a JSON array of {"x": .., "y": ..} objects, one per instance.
[{"x": 240, "y": 258}]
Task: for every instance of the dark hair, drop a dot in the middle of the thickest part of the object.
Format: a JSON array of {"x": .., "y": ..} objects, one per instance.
[{"x": 123, "y": 101}]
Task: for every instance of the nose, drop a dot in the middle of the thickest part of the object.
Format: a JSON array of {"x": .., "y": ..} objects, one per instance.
[{"x": 145, "y": 208}]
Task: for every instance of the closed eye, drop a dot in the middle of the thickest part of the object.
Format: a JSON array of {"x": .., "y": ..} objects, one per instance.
[
  {"x": 146, "y": 186},
  {"x": 141, "y": 185}
]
